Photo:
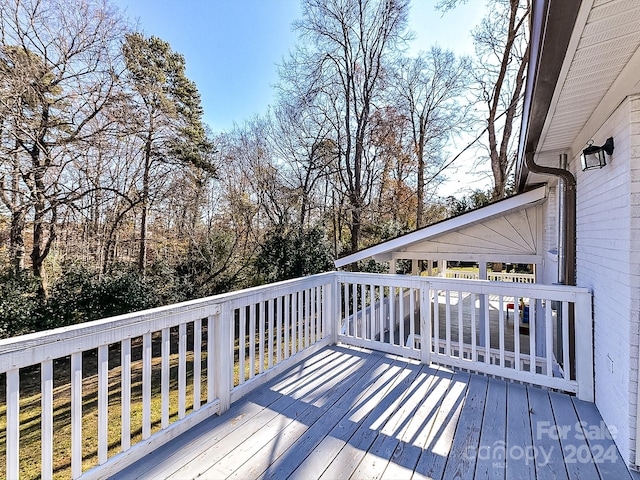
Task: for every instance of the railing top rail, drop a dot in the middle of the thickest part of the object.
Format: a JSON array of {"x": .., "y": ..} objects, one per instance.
[
  {"x": 109, "y": 330},
  {"x": 199, "y": 308},
  {"x": 468, "y": 285}
]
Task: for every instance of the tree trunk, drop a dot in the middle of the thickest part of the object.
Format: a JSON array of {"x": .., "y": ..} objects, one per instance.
[
  {"x": 142, "y": 255},
  {"x": 16, "y": 240}
]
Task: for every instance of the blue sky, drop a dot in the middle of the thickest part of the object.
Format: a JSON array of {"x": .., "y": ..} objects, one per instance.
[{"x": 232, "y": 47}]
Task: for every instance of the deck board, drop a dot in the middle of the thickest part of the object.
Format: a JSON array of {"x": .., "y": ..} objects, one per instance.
[
  {"x": 575, "y": 451},
  {"x": 546, "y": 447},
  {"x": 461, "y": 460},
  {"x": 354, "y": 410},
  {"x": 608, "y": 462},
  {"x": 350, "y": 413},
  {"x": 519, "y": 460}
]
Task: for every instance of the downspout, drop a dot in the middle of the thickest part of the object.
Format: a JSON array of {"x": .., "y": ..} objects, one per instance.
[
  {"x": 567, "y": 232},
  {"x": 562, "y": 223},
  {"x": 567, "y": 237}
]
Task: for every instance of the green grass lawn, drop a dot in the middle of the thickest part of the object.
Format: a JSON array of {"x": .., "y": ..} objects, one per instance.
[{"x": 30, "y": 406}]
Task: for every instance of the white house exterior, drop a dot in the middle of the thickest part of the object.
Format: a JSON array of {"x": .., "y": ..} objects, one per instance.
[
  {"x": 593, "y": 93},
  {"x": 583, "y": 86}
]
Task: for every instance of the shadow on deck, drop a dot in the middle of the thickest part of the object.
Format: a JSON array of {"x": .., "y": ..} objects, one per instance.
[{"x": 351, "y": 413}]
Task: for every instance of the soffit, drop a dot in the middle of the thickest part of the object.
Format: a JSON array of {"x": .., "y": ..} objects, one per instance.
[{"x": 601, "y": 69}]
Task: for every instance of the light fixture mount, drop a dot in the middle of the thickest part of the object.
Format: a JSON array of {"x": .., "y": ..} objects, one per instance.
[{"x": 594, "y": 157}]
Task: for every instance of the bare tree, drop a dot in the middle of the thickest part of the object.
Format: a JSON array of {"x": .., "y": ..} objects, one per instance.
[
  {"x": 502, "y": 55},
  {"x": 339, "y": 68},
  {"x": 428, "y": 90},
  {"x": 57, "y": 71}
]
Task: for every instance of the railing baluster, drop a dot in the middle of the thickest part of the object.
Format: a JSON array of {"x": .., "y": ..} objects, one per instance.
[
  {"x": 300, "y": 321},
  {"x": 182, "y": 370},
  {"x": 261, "y": 320},
  {"x": 211, "y": 346},
  {"x": 460, "y": 325},
  {"x": 487, "y": 330},
  {"x": 76, "y": 414},
  {"x": 474, "y": 343},
  {"x": 401, "y": 340},
  {"x": 103, "y": 403},
  {"x": 242, "y": 342},
  {"x": 372, "y": 307},
  {"x": 383, "y": 314},
  {"x": 436, "y": 321},
  {"x": 447, "y": 316},
  {"x": 548, "y": 327},
  {"x": 165, "y": 372},
  {"x": 13, "y": 423},
  {"x": 307, "y": 321},
  {"x": 286, "y": 300},
  {"x": 363, "y": 309},
  {"x": 279, "y": 332},
  {"x": 252, "y": 340},
  {"x": 532, "y": 335},
  {"x": 345, "y": 317},
  {"x": 320, "y": 306},
  {"x": 501, "y": 328},
  {"x": 313, "y": 300},
  {"x": 516, "y": 334},
  {"x": 412, "y": 317},
  {"x": 125, "y": 391},
  {"x": 197, "y": 362},
  {"x": 270, "y": 330},
  {"x": 146, "y": 386},
  {"x": 47, "y": 420},
  {"x": 392, "y": 315},
  {"x": 566, "y": 363},
  {"x": 354, "y": 318}
]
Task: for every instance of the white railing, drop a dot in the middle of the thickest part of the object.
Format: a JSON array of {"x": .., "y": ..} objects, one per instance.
[
  {"x": 226, "y": 344},
  {"x": 493, "y": 276},
  {"x": 511, "y": 277},
  {"x": 466, "y": 322},
  {"x": 172, "y": 367}
]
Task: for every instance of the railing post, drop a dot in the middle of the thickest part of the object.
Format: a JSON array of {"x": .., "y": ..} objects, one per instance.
[
  {"x": 584, "y": 346},
  {"x": 333, "y": 302},
  {"x": 223, "y": 354},
  {"x": 425, "y": 321}
]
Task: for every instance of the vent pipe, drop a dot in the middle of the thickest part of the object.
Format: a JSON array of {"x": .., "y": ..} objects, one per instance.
[
  {"x": 562, "y": 224},
  {"x": 568, "y": 216},
  {"x": 566, "y": 237}
]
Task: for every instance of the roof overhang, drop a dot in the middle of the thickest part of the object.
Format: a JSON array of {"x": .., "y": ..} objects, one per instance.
[
  {"x": 583, "y": 63},
  {"x": 507, "y": 231}
]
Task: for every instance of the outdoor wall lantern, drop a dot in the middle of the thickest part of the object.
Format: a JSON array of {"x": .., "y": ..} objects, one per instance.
[{"x": 593, "y": 157}]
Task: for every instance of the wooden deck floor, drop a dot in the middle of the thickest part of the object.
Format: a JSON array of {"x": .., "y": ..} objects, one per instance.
[{"x": 351, "y": 413}]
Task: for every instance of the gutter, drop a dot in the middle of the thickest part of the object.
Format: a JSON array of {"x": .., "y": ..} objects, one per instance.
[{"x": 552, "y": 23}]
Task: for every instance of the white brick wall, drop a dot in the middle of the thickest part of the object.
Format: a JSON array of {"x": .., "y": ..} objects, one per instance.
[
  {"x": 634, "y": 261},
  {"x": 607, "y": 263}
]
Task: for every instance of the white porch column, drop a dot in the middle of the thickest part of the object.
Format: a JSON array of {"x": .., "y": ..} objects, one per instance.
[
  {"x": 430, "y": 268},
  {"x": 414, "y": 266},
  {"x": 392, "y": 266},
  {"x": 442, "y": 268},
  {"x": 483, "y": 304}
]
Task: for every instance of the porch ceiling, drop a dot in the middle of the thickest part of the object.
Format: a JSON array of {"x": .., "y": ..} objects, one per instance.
[
  {"x": 598, "y": 71},
  {"x": 508, "y": 230}
]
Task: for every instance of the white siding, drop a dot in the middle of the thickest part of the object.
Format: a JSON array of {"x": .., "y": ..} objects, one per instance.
[
  {"x": 634, "y": 259},
  {"x": 604, "y": 264}
]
